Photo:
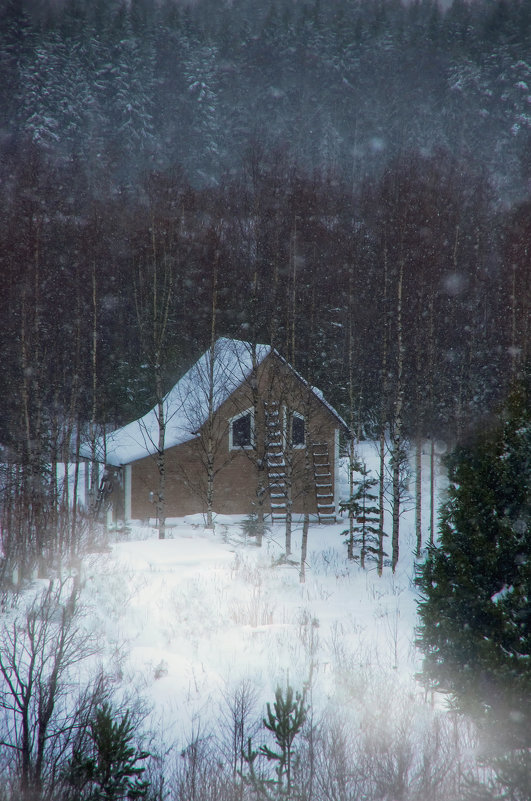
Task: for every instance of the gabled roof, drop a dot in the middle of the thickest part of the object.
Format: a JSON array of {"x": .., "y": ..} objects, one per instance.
[{"x": 186, "y": 405}]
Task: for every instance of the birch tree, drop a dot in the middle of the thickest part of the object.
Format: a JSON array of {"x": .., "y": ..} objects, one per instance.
[{"x": 154, "y": 292}]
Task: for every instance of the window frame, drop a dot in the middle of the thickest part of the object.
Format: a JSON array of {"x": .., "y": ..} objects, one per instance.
[
  {"x": 234, "y": 447},
  {"x": 291, "y": 445}
]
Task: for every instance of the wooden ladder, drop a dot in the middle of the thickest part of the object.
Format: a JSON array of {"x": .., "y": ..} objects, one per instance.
[
  {"x": 276, "y": 463},
  {"x": 326, "y": 510}
]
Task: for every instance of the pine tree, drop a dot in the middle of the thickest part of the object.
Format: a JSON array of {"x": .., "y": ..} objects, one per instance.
[
  {"x": 285, "y": 721},
  {"x": 476, "y": 607},
  {"x": 111, "y": 770}
]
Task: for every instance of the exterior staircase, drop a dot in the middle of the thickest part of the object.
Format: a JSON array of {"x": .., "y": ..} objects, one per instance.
[
  {"x": 323, "y": 483},
  {"x": 276, "y": 463},
  {"x": 276, "y": 470}
]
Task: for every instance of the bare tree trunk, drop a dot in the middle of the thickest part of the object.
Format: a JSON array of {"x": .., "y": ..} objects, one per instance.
[
  {"x": 210, "y": 424},
  {"x": 304, "y": 547},
  {"x": 288, "y": 458},
  {"x": 397, "y": 424},
  {"x": 432, "y": 491},
  {"x": 161, "y": 465},
  {"x": 383, "y": 420},
  {"x": 32, "y": 492},
  {"x": 306, "y": 493},
  {"x": 418, "y": 495},
  {"x": 94, "y": 471},
  {"x": 291, "y": 328},
  {"x": 260, "y": 445},
  {"x": 153, "y": 293},
  {"x": 75, "y": 489},
  {"x": 352, "y": 443},
  {"x": 351, "y": 471}
]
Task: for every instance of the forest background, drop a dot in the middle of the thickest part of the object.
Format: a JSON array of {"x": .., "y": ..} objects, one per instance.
[{"x": 349, "y": 182}]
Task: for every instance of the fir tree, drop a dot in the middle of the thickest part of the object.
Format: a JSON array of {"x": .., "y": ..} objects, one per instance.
[
  {"x": 364, "y": 515},
  {"x": 475, "y": 608}
]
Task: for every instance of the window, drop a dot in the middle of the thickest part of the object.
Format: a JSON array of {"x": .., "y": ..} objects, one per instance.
[
  {"x": 294, "y": 426},
  {"x": 297, "y": 431},
  {"x": 241, "y": 431}
]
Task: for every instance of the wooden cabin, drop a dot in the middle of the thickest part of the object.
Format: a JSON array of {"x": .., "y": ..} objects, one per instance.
[{"x": 241, "y": 424}]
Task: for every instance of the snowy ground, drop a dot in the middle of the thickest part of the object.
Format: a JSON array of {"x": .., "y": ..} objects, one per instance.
[{"x": 184, "y": 621}]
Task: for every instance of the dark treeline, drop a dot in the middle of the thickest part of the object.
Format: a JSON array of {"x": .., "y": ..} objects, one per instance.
[
  {"x": 126, "y": 86},
  {"x": 416, "y": 267}
]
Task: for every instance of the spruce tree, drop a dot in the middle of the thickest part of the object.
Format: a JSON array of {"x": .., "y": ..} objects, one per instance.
[
  {"x": 364, "y": 516},
  {"x": 475, "y": 608}
]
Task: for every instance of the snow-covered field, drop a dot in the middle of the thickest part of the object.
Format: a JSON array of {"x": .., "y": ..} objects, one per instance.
[
  {"x": 195, "y": 633},
  {"x": 184, "y": 621}
]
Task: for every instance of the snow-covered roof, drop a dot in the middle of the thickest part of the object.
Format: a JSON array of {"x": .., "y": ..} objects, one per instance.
[{"x": 186, "y": 406}]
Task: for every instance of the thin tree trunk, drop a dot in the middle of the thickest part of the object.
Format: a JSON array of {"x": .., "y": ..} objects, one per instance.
[
  {"x": 306, "y": 495},
  {"x": 304, "y": 547},
  {"x": 75, "y": 489},
  {"x": 352, "y": 444},
  {"x": 418, "y": 495},
  {"x": 351, "y": 471},
  {"x": 161, "y": 465},
  {"x": 260, "y": 449},
  {"x": 153, "y": 308},
  {"x": 383, "y": 416},
  {"x": 397, "y": 424},
  {"x": 432, "y": 491},
  {"x": 94, "y": 472},
  {"x": 289, "y": 497},
  {"x": 293, "y": 300},
  {"x": 210, "y": 431}
]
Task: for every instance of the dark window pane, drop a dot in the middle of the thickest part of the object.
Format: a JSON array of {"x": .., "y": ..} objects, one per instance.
[
  {"x": 297, "y": 431},
  {"x": 241, "y": 431}
]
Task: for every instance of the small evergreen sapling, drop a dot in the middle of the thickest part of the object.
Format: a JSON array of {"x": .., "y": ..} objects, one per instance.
[
  {"x": 252, "y": 526},
  {"x": 109, "y": 769},
  {"x": 284, "y": 720},
  {"x": 364, "y": 515}
]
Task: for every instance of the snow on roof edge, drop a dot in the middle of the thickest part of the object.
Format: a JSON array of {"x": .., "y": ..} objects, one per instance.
[{"x": 185, "y": 406}]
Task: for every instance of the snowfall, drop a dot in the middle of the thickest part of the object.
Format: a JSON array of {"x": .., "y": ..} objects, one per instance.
[{"x": 182, "y": 622}]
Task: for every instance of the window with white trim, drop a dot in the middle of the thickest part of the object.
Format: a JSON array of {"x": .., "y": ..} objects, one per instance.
[
  {"x": 241, "y": 430},
  {"x": 295, "y": 429}
]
